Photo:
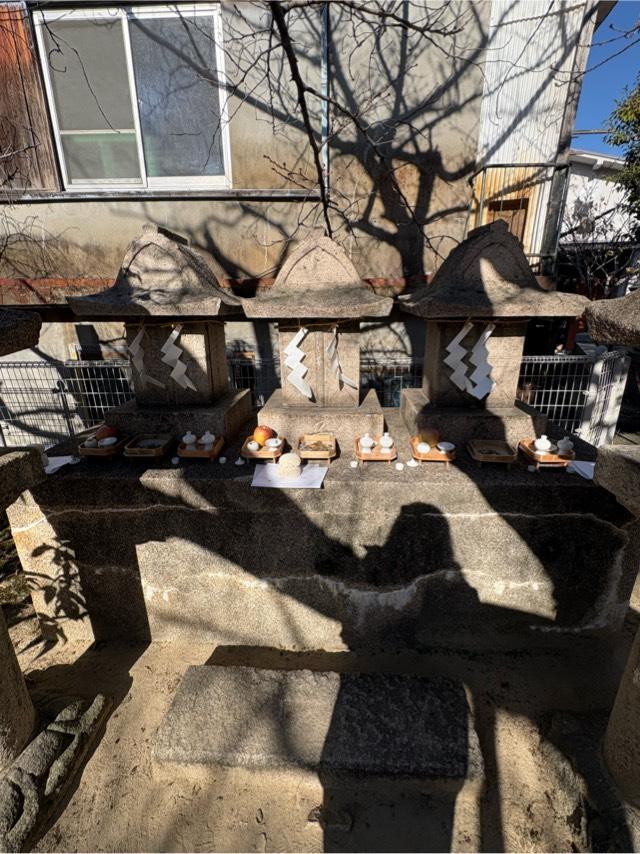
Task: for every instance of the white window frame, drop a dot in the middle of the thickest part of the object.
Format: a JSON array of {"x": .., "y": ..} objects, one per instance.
[{"x": 187, "y": 182}]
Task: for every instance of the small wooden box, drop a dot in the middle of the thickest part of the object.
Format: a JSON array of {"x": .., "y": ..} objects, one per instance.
[
  {"x": 492, "y": 451},
  {"x": 375, "y": 455},
  {"x": 545, "y": 458},
  {"x": 134, "y": 449},
  {"x": 264, "y": 453},
  {"x": 433, "y": 456},
  {"x": 327, "y": 439},
  {"x": 110, "y": 451},
  {"x": 199, "y": 452}
]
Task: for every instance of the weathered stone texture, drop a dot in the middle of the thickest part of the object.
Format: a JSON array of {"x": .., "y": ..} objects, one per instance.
[
  {"x": 381, "y": 725},
  {"x": 224, "y": 417},
  {"x": 34, "y": 782},
  {"x": 618, "y": 470},
  {"x": 17, "y": 715},
  {"x": 615, "y": 321},
  {"x": 19, "y": 470},
  {"x": 377, "y": 557}
]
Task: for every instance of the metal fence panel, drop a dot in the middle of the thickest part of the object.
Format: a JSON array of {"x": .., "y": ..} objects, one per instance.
[{"x": 46, "y": 402}]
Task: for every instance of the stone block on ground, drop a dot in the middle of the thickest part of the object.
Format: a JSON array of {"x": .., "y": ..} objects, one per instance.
[{"x": 378, "y": 725}]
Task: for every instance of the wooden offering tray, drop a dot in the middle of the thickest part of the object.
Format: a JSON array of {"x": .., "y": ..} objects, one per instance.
[
  {"x": 148, "y": 445},
  {"x": 198, "y": 451},
  {"x": 433, "y": 456},
  {"x": 492, "y": 451},
  {"x": 375, "y": 455},
  {"x": 264, "y": 453},
  {"x": 110, "y": 451},
  {"x": 550, "y": 459},
  {"x": 317, "y": 446}
]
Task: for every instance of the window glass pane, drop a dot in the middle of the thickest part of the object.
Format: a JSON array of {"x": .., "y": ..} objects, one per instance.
[
  {"x": 174, "y": 61},
  {"x": 88, "y": 72},
  {"x": 95, "y": 156}
]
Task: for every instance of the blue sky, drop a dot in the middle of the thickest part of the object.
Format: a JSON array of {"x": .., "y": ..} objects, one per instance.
[{"x": 605, "y": 84}]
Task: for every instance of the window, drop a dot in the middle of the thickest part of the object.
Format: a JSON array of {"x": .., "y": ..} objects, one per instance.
[{"x": 137, "y": 96}]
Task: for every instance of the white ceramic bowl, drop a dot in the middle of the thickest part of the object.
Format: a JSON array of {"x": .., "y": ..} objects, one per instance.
[
  {"x": 446, "y": 446},
  {"x": 274, "y": 442},
  {"x": 423, "y": 447},
  {"x": 253, "y": 445}
]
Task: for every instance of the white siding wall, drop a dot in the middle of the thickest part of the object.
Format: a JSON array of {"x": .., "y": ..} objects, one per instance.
[{"x": 529, "y": 58}]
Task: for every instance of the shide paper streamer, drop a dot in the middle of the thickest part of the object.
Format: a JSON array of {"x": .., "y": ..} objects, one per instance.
[
  {"x": 332, "y": 352},
  {"x": 171, "y": 357},
  {"x": 294, "y": 361},
  {"x": 137, "y": 359}
]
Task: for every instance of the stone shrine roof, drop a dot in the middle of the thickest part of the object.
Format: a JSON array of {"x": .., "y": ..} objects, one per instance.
[
  {"x": 615, "y": 321},
  {"x": 160, "y": 276},
  {"x": 488, "y": 275},
  {"x": 317, "y": 280}
]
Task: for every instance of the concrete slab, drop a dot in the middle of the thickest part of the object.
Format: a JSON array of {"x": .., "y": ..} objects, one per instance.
[{"x": 383, "y": 725}]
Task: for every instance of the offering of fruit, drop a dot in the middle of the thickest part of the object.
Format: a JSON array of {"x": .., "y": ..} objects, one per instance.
[
  {"x": 262, "y": 433},
  {"x": 105, "y": 432},
  {"x": 429, "y": 435}
]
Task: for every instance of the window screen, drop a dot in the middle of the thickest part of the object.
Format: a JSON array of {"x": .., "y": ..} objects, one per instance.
[
  {"x": 174, "y": 61},
  {"x": 89, "y": 81},
  {"x": 135, "y": 95}
]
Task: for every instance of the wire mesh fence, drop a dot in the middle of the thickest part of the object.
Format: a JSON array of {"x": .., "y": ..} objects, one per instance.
[{"x": 46, "y": 402}]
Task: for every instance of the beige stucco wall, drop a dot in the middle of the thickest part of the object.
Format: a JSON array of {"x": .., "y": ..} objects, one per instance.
[{"x": 401, "y": 77}]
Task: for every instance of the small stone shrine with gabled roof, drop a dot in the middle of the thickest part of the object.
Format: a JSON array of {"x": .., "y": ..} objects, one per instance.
[
  {"x": 171, "y": 303},
  {"x": 477, "y": 309},
  {"x": 318, "y": 299}
]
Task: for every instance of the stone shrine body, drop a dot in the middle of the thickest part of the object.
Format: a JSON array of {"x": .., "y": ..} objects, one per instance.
[
  {"x": 477, "y": 309},
  {"x": 318, "y": 299},
  {"x": 171, "y": 302}
]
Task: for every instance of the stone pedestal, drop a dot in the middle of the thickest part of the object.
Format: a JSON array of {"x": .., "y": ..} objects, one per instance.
[
  {"x": 505, "y": 347},
  {"x": 223, "y": 418},
  {"x": 460, "y": 424},
  {"x": 344, "y": 422},
  {"x": 456, "y": 414},
  {"x": 17, "y": 715},
  {"x": 327, "y": 390},
  {"x": 203, "y": 355}
]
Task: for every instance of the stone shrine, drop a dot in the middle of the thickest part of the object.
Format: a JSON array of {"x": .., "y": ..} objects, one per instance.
[
  {"x": 318, "y": 299},
  {"x": 170, "y": 301},
  {"x": 477, "y": 309}
]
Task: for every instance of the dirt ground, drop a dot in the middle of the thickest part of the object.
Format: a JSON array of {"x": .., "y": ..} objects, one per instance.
[{"x": 539, "y": 714}]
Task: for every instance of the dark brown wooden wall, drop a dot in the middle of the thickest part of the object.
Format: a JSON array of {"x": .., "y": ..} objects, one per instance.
[{"x": 27, "y": 159}]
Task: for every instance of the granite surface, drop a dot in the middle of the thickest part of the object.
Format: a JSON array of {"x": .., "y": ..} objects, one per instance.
[
  {"x": 19, "y": 330},
  {"x": 615, "y": 321},
  {"x": 383, "y": 725},
  {"x": 618, "y": 470}
]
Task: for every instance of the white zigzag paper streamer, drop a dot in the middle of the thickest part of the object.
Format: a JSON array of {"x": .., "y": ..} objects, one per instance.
[
  {"x": 294, "y": 361},
  {"x": 137, "y": 360},
  {"x": 480, "y": 383},
  {"x": 171, "y": 357},
  {"x": 455, "y": 357},
  {"x": 334, "y": 359}
]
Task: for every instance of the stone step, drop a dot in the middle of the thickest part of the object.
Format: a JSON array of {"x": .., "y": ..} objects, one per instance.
[{"x": 372, "y": 724}]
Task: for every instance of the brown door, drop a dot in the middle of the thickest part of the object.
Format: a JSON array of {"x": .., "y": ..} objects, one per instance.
[{"x": 512, "y": 211}]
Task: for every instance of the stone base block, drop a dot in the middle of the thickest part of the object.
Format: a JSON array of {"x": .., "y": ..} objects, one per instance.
[
  {"x": 379, "y": 725},
  {"x": 224, "y": 417},
  {"x": 457, "y": 424},
  {"x": 346, "y": 424}
]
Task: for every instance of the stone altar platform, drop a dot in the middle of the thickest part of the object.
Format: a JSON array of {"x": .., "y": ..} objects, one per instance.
[{"x": 378, "y": 558}]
